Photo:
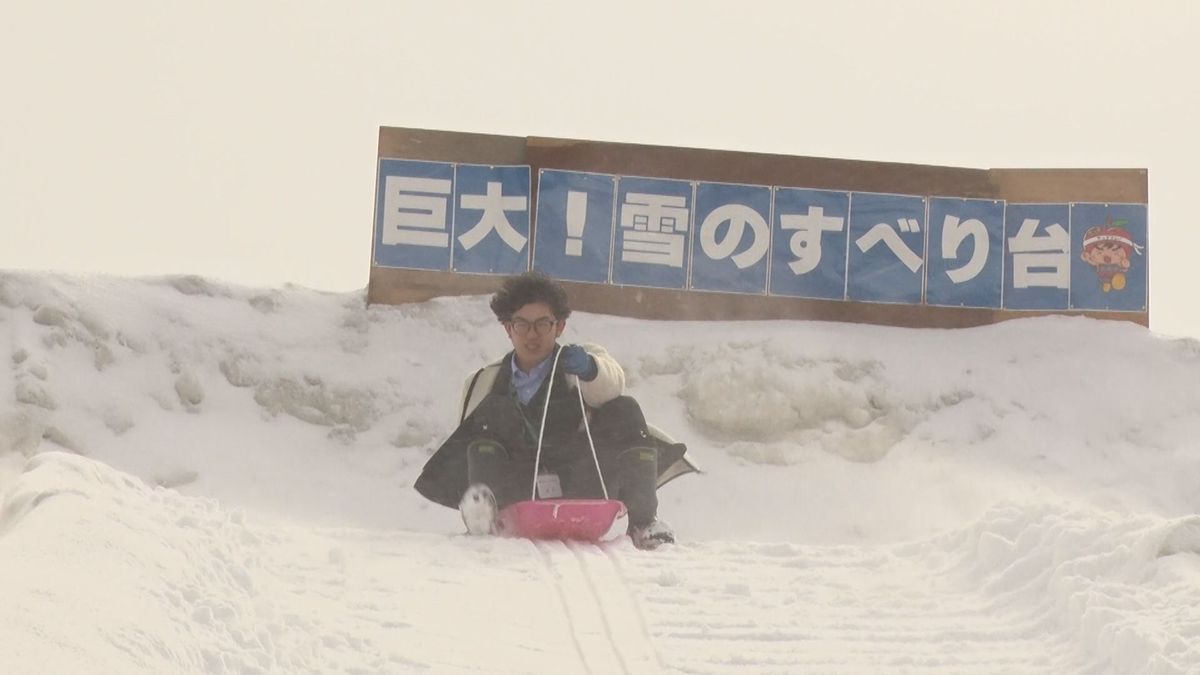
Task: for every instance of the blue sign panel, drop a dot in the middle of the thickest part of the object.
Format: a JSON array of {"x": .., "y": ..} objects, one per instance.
[
  {"x": 491, "y": 219},
  {"x": 1108, "y": 251},
  {"x": 887, "y": 248},
  {"x": 755, "y": 239},
  {"x": 729, "y": 249},
  {"x": 573, "y": 237},
  {"x": 808, "y": 256},
  {"x": 653, "y": 231},
  {"x": 413, "y": 214},
  {"x": 965, "y": 262},
  {"x": 1037, "y": 256}
]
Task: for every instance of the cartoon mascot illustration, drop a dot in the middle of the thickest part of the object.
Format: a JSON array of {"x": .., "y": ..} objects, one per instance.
[{"x": 1108, "y": 248}]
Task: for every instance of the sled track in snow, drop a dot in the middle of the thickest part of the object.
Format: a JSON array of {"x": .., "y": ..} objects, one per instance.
[
  {"x": 572, "y": 625},
  {"x": 945, "y": 605},
  {"x": 769, "y": 608},
  {"x": 607, "y": 628}
]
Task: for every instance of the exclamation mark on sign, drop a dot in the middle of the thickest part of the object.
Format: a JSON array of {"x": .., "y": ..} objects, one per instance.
[{"x": 576, "y": 216}]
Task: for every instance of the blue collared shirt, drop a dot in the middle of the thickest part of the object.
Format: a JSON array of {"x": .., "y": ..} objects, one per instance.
[{"x": 526, "y": 384}]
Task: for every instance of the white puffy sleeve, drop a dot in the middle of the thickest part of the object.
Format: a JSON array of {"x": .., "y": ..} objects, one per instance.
[{"x": 610, "y": 377}]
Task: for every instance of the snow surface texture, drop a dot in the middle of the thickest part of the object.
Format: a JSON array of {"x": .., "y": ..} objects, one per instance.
[{"x": 197, "y": 477}]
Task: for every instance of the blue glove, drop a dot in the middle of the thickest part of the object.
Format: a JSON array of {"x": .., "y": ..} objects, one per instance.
[{"x": 578, "y": 362}]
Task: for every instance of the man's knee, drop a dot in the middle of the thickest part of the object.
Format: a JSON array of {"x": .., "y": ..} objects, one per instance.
[
  {"x": 637, "y": 464},
  {"x": 622, "y": 414},
  {"x": 486, "y": 449},
  {"x": 621, "y": 406},
  {"x": 487, "y": 460}
]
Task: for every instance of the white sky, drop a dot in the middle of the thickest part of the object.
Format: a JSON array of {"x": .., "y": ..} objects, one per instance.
[{"x": 237, "y": 140}]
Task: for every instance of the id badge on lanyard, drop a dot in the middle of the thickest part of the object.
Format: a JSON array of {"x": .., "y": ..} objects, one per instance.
[{"x": 548, "y": 485}]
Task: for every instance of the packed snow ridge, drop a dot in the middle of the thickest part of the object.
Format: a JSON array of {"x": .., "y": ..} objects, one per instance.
[{"x": 202, "y": 477}]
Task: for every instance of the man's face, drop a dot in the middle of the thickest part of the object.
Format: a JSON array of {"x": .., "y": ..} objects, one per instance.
[{"x": 533, "y": 330}]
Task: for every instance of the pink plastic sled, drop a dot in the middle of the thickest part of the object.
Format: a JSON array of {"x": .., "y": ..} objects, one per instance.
[{"x": 578, "y": 519}]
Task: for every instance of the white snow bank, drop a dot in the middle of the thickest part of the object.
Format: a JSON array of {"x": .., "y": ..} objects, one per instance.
[
  {"x": 101, "y": 573},
  {"x": 198, "y": 476}
]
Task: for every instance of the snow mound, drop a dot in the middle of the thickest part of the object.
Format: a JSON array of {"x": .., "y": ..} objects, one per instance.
[
  {"x": 182, "y": 572},
  {"x": 766, "y": 392},
  {"x": 1099, "y": 573},
  {"x": 1018, "y": 497}
]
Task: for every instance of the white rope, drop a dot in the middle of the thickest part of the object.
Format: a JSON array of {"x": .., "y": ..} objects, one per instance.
[
  {"x": 592, "y": 443},
  {"x": 537, "y": 460}
]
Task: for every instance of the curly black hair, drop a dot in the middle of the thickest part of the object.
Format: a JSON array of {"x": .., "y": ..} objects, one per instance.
[{"x": 522, "y": 289}]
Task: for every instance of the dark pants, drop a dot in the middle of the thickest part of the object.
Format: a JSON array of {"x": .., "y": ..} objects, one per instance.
[{"x": 501, "y": 456}]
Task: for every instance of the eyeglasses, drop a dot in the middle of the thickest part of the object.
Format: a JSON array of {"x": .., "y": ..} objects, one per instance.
[{"x": 541, "y": 326}]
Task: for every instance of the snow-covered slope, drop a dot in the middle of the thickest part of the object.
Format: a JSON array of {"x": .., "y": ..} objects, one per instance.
[{"x": 201, "y": 477}]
